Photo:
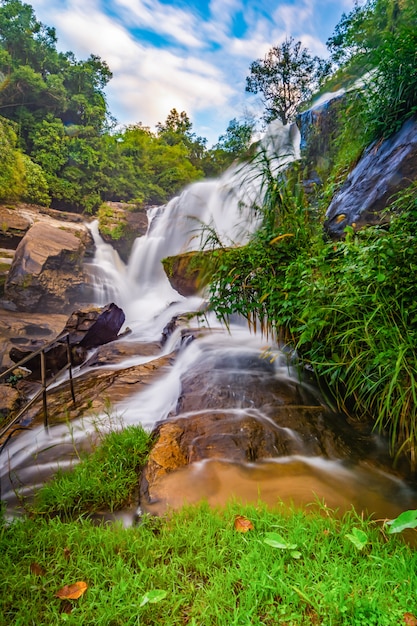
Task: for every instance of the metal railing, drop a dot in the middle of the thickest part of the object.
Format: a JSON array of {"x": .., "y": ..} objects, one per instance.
[{"x": 45, "y": 383}]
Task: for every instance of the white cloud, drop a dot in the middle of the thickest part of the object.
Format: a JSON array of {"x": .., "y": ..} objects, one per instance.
[
  {"x": 163, "y": 19},
  {"x": 202, "y": 66}
]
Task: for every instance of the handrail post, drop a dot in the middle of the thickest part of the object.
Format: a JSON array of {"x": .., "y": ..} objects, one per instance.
[
  {"x": 43, "y": 380},
  {"x": 69, "y": 360}
]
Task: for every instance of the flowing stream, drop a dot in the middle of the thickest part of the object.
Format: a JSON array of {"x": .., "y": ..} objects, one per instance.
[{"x": 142, "y": 289}]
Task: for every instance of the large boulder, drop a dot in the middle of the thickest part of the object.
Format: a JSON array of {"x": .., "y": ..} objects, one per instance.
[
  {"x": 385, "y": 169},
  {"x": 185, "y": 272},
  {"x": 47, "y": 270},
  {"x": 239, "y": 408}
]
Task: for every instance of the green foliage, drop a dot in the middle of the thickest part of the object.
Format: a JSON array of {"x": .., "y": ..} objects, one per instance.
[
  {"x": 380, "y": 36},
  {"x": 285, "y": 77},
  {"x": 106, "y": 479},
  {"x": 406, "y": 520},
  {"x": 110, "y": 223},
  {"x": 12, "y": 166},
  {"x": 193, "y": 567},
  {"x": 36, "y": 186}
]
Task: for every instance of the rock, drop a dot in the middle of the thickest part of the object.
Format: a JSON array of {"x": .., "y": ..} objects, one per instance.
[
  {"x": 55, "y": 358},
  {"x": 13, "y": 226},
  {"x": 9, "y": 400},
  {"x": 23, "y": 329},
  {"x": 47, "y": 273},
  {"x": 239, "y": 409},
  {"x": 97, "y": 390},
  {"x": 94, "y": 327},
  {"x": 385, "y": 168},
  {"x": 318, "y": 130},
  {"x": 113, "y": 353},
  {"x": 120, "y": 224},
  {"x": 185, "y": 272}
]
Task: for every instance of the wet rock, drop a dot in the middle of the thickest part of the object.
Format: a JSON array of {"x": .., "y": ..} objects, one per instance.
[
  {"x": 185, "y": 272},
  {"x": 55, "y": 358},
  {"x": 46, "y": 273},
  {"x": 244, "y": 409},
  {"x": 97, "y": 390},
  {"x": 318, "y": 130},
  {"x": 116, "y": 352},
  {"x": 385, "y": 168}
]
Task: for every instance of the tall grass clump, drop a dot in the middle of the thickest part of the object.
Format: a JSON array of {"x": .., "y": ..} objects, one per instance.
[{"x": 359, "y": 323}]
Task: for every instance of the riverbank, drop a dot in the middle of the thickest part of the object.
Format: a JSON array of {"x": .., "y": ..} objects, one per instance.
[
  {"x": 236, "y": 564},
  {"x": 197, "y": 568}
]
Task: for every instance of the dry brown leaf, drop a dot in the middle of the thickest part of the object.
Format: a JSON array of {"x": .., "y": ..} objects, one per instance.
[
  {"x": 243, "y": 524},
  {"x": 72, "y": 592},
  {"x": 37, "y": 569},
  {"x": 410, "y": 620}
]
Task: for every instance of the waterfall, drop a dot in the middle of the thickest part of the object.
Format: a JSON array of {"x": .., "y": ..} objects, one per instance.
[
  {"x": 222, "y": 207},
  {"x": 225, "y": 207}
]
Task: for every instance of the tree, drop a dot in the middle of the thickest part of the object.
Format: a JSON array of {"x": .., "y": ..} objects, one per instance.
[
  {"x": 237, "y": 138},
  {"x": 177, "y": 124},
  {"x": 286, "y": 76}
]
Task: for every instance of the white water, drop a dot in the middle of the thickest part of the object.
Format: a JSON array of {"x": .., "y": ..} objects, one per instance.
[{"x": 143, "y": 291}]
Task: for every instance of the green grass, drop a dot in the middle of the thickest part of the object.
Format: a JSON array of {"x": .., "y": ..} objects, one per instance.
[
  {"x": 211, "y": 574},
  {"x": 106, "y": 479}
]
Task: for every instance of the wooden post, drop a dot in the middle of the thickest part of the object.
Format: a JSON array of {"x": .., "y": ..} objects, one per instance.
[
  {"x": 43, "y": 380},
  {"x": 69, "y": 359}
]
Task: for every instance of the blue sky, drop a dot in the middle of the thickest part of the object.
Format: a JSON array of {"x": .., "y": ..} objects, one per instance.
[{"x": 189, "y": 55}]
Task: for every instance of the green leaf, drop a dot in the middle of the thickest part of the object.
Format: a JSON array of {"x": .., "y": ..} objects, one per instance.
[
  {"x": 153, "y": 596},
  {"x": 407, "y": 519},
  {"x": 358, "y": 538},
  {"x": 276, "y": 541}
]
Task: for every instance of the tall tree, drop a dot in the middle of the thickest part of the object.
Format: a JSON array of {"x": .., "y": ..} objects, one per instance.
[{"x": 286, "y": 76}]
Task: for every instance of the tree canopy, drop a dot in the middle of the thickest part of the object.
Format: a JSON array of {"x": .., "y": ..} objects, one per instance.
[{"x": 285, "y": 77}]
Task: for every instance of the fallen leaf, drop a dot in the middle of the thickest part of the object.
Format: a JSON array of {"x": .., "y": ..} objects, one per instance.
[
  {"x": 410, "y": 620},
  {"x": 243, "y": 524},
  {"x": 72, "y": 592},
  {"x": 37, "y": 569}
]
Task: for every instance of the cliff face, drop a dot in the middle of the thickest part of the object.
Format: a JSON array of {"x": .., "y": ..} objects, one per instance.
[{"x": 385, "y": 168}]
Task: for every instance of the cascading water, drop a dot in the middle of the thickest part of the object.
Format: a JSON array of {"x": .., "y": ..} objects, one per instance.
[{"x": 142, "y": 289}]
